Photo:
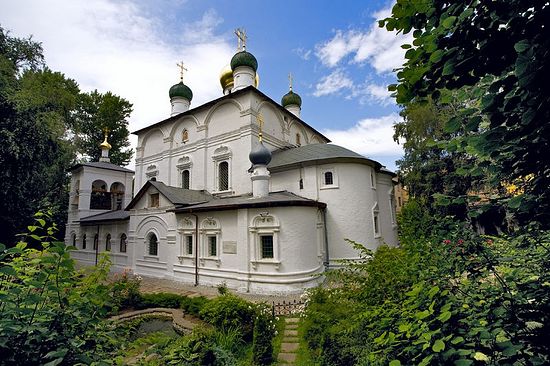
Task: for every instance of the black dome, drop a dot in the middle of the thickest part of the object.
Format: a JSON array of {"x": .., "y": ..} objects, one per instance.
[{"x": 260, "y": 155}]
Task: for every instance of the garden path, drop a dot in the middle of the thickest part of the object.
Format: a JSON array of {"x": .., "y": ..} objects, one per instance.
[{"x": 289, "y": 345}]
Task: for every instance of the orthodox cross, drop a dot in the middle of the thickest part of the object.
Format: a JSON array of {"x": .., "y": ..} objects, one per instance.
[
  {"x": 241, "y": 38},
  {"x": 260, "y": 120},
  {"x": 290, "y": 80},
  {"x": 182, "y": 69},
  {"x": 106, "y": 132}
]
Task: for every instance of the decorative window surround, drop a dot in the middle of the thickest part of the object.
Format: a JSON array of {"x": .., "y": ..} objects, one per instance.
[
  {"x": 372, "y": 179},
  {"x": 222, "y": 154},
  {"x": 186, "y": 230},
  {"x": 265, "y": 225},
  {"x": 152, "y": 172},
  {"x": 209, "y": 228},
  {"x": 184, "y": 163}
]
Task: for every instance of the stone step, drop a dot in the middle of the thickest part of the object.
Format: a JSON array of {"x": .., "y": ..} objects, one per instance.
[
  {"x": 291, "y": 332},
  {"x": 289, "y": 347},
  {"x": 287, "y": 357},
  {"x": 292, "y": 320},
  {"x": 291, "y": 326}
]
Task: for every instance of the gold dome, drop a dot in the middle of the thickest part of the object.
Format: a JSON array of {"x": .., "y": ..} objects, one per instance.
[
  {"x": 105, "y": 144},
  {"x": 226, "y": 78}
]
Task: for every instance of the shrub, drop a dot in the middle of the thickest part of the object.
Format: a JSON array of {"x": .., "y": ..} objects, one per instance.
[
  {"x": 160, "y": 300},
  {"x": 229, "y": 311},
  {"x": 193, "y": 305},
  {"x": 264, "y": 331},
  {"x": 51, "y": 313},
  {"x": 125, "y": 290}
]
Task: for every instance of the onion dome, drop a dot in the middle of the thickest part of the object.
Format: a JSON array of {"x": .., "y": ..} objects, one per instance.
[
  {"x": 105, "y": 144},
  {"x": 260, "y": 155},
  {"x": 244, "y": 58},
  {"x": 291, "y": 98},
  {"x": 226, "y": 77},
  {"x": 181, "y": 90}
]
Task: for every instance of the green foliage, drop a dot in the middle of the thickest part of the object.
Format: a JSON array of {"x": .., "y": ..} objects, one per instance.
[
  {"x": 491, "y": 56},
  {"x": 264, "y": 331},
  {"x": 230, "y": 312},
  {"x": 193, "y": 305},
  {"x": 125, "y": 290},
  {"x": 97, "y": 111},
  {"x": 51, "y": 314},
  {"x": 159, "y": 300},
  {"x": 449, "y": 297}
]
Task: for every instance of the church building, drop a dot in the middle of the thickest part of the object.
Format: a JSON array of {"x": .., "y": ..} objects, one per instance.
[{"x": 238, "y": 191}]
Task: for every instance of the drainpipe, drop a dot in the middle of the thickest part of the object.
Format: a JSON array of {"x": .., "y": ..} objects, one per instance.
[
  {"x": 326, "y": 263},
  {"x": 97, "y": 246},
  {"x": 196, "y": 249}
]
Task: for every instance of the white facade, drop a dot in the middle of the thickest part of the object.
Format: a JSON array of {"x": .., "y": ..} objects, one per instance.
[{"x": 211, "y": 229}]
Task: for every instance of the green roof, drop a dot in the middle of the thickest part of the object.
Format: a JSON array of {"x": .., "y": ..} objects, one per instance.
[
  {"x": 181, "y": 90},
  {"x": 291, "y": 98},
  {"x": 244, "y": 58}
]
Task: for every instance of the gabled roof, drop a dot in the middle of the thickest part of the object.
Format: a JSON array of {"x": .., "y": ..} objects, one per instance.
[
  {"x": 274, "y": 199},
  {"x": 115, "y": 215},
  {"x": 229, "y": 96},
  {"x": 177, "y": 196},
  {"x": 314, "y": 154},
  {"x": 101, "y": 165}
]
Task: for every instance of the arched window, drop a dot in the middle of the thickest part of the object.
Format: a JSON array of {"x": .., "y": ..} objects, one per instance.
[
  {"x": 153, "y": 245},
  {"x": 84, "y": 241},
  {"x": 96, "y": 241},
  {"x": 100, "y": 198},
  {"x": 123, "y": 243},
  {"x": 298, "y": 139},
  {"x": 108, "y": 242},
  {"x": 74, "y": 240},
  {"x": 328, "y": 179},
  {"x": 223, "y": 176},
  {"x": 117, "y": 196},
  {"x": 185, "y": 179}
]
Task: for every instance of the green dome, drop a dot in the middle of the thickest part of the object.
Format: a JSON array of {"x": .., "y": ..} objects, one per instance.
[
  {"x": 244, "y": 58},
  {"x": 291, "y": 98},
  {"x": 181, "y": 90}
]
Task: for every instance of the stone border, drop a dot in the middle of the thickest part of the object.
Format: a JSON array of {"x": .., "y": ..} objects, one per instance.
[{"x": 180, "y": 324}]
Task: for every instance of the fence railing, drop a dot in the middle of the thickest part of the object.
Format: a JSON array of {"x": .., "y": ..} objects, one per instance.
[{"x": 287, "y": 307}]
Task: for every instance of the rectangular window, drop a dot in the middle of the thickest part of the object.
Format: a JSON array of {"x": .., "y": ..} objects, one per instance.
[
  {"x": 212, "y": 246},
  {"x": 376, "y": 225},
  {"x": 266, "y": 242},
  {"x": 154, "y": 200},
  {"x": 188, "y": 244}
]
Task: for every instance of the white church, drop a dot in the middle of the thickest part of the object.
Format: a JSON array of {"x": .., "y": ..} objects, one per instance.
[{"x": 238, "y": 191}]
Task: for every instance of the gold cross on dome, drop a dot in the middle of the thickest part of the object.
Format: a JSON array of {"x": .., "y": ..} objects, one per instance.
[
  {"x": 260, "y": 120},
  {"x": 290, "y": 80},
  {"x": 241, "y": 39},
  {"x": 182, "y": 69}
]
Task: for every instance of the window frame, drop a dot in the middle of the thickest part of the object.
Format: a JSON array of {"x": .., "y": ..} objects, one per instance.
[
  {"x": 376, "y": 221},
  {"x": 123, "y": 243},
  {"x": 149, "y": 245},
  {"x": 108, "y": 244},
  {"x": 322, "y": 178},
  {"x": 220, "y": 155},
  {"x": 154, "y": 200},
  {"x": 264, "y": 225}
]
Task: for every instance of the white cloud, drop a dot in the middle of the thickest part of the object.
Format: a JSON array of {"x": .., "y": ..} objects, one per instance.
[
  {"x": 376, "y": 46},
  {"x": 333, "y": 83},
  {"x": 372, "y": 93},
  {"x": 116, "y": 46},
  {"x": 370, "y": 136},
  {"x": 303, "y": 53}
]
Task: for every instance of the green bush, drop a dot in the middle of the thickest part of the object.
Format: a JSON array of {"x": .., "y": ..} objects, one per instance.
[
  {"x": 450, "y": 297},
  {"x": 193, "y": 305},
  {"x": 51, "y": 313},
  {"x": 264, "y": 331},
  {"x": 159, "y": 300},
  {"x": 229, "y": 311}
]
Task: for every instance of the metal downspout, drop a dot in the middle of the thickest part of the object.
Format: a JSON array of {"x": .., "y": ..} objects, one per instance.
[{"x": 326, "y": 263}]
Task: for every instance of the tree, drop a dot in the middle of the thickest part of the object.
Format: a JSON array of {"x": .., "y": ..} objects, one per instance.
[
  {"x": 498, "y": 49},
  {"x": 96, "y": 112}
]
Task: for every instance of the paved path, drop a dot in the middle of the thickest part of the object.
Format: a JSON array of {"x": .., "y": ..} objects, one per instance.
[
  {"x": 152, "y": 285},
  {"x": 289, "y": 346}
]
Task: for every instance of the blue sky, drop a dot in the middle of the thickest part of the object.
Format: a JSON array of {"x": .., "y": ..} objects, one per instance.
[{"x": 340, "y": 60}]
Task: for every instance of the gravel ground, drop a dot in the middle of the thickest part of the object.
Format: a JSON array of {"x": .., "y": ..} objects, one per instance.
[{"x": 152, "y": 285}]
